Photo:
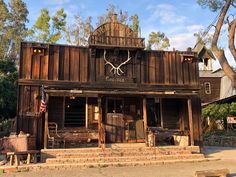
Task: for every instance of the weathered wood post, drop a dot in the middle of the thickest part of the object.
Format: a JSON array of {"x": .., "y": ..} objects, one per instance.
[
  {"x": 190, "y": 115},
  {"x": 46, "y": 125},
  {"x": 145, "y": 117},
  {"x": 99, "y": 120}
]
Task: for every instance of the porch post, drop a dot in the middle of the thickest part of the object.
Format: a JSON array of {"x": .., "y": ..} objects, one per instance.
[
  {"x": 145, "y": 117},
  {"x": 46, "y": 125},
  {"x": 190, "y": 115},
  {"x": 86, "y": 113},
  {"x": 99, "y": 120},
  {"x": 161, "y": 111}
]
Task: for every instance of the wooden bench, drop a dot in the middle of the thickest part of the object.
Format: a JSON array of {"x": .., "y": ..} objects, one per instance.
[
  {"x": 212, "y": 173},
  {"x": 15, "y": 156}
]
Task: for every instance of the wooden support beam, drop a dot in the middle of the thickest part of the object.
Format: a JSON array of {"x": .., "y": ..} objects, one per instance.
[
  {"x": 99, "y": 120},
  {"x": 63, "y": 111},
  {"x": 161, "y": 111},
  {"x": 145, "y": 117},
  {"x": 86, "y": 113},
  {"x": 190, "y": 115},
  {"x": 46, "y": 125}
]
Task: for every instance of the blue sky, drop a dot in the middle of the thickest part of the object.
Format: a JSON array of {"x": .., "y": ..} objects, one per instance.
[{"x": 179, "y": 19}]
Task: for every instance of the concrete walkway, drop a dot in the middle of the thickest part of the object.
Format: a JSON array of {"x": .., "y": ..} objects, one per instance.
[{"x": 227, "y": 160}]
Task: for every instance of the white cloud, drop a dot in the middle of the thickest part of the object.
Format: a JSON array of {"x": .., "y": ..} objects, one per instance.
[
  {"x": 165, "y": 13},
  {"x": 56, "y": 2},
  {"x": 182, "y": 41}
]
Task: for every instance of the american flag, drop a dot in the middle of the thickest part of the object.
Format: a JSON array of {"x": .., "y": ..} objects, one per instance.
[{"x": 43, "y": 104}]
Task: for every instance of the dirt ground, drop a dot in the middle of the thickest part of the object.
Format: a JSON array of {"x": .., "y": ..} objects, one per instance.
[{"x": 227, "y": 155}]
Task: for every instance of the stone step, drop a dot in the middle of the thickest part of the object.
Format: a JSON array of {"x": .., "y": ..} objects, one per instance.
[
  {"x": 118, "y": 154},
  {"x": 93, "y": 150},
  {"x": 124, "y": 159},
  {"x": 97, "y": 152}
]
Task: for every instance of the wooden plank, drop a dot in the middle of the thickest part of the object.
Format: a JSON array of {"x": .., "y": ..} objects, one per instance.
[
  {"x": 185, "y": 72},
  {"x": 56, "y": 63},
  {"x": 173, "y": 68},
  {"x": 166, "y": 68},
  {"x": 72, "y": 64},
  {"x": 152, "y": 68},
  {"x": 145, "y": 117},
  {"x": 51, "y": 62},
  {"x": 28, "y": 63},
  {"x": 44, "y": 67},
  {"x": 66, "y": 63},
  {"x": 179, "y": 68},
  {"x": 36, "y": 65},
  {"x": 92, "y": 63},
  {"x": 83, "y": 65},
  {"x": 190, "y": 115},
  {"x": 61, "y": 62}
]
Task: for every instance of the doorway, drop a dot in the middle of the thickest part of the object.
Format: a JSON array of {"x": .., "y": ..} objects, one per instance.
[
  {"x": 114, "y": 120},
  {"x": 74, "y": 112}
]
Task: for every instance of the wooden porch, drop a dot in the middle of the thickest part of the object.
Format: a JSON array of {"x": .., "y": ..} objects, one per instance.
[{"x": 104, "y": 124}]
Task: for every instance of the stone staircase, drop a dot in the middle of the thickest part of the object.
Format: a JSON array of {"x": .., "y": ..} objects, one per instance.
[{"x": 120, "y": 155}]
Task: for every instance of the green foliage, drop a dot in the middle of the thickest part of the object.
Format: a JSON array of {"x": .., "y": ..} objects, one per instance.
[
  {"x": 13, "y": 18},
  {"x": 77, "y": 33},
  {"x": 213, "y": 5},
  {"x": 135, "y": 23},
  {"x": 232, "y": 109},
  {"x": 158, "y": 41},
  {"x": 47, "y": 29},
  {"x": 8, "y": 88},
  {"x": 122, "y": 16},
  {"x": 219, "y": 111}
]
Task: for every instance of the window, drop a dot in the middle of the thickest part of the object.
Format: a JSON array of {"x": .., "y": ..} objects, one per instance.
[{"x": 207, "y": 87}]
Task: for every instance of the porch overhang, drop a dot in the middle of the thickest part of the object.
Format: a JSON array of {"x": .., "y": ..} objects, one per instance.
[{"x": 96, "y": 93}]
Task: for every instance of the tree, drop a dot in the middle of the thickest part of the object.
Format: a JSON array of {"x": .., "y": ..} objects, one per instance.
[
  {"x": 47, "y": 29},
  {"x": 135, "y": 23},
  {"x": 158, "y": 41},
  {"x": 13, "y": 29},
  {"x": 8, "y": 88},
  {"x": 13, "y": 18},
  {"x": 78, "y": 32},
  {"x": 224, "y": 7},
  {"x": 122, "y": 16}
]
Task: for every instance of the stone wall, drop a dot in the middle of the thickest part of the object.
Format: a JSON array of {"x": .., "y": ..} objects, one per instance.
[{"x": 217, "y": 140}]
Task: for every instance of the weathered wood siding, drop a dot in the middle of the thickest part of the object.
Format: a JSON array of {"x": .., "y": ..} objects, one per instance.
[
  {"x": 215, "y": 89},
  {"x": 76, "y": 64}
]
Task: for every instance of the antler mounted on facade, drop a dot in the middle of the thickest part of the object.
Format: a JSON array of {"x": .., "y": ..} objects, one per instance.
[{"x": 116, "y": 69}]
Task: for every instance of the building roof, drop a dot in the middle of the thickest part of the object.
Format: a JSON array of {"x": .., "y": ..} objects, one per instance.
[
  {"x": 218, "y": 73},
  {"x": 229, "y": 99},
  {"x": 203, "y": 52}
]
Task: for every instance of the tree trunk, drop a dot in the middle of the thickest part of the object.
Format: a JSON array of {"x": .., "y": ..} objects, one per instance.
[
  {"x": 232, "y": 49},
  {"x": 219, "y": 53}
]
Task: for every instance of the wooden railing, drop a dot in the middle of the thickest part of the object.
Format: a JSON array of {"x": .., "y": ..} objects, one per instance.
[{"x": 132, "y": 42}]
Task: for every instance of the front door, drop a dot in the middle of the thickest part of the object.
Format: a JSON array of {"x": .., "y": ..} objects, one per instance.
[{"x": 114, "y": 122}]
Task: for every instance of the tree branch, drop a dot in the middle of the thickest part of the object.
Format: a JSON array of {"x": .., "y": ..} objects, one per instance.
[
  {"x": 220, "y": 23},
  {"x": 219, "y": 53},
  {"x": 231, "y": 38}
]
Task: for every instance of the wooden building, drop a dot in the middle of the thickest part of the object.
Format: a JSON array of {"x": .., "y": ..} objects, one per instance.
[
  {"x": 113, "y": 90},
  {"x": 215, "y": 85}
]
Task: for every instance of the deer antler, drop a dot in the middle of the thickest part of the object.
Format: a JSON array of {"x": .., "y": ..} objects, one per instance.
[{"x": 116, "y": 70}]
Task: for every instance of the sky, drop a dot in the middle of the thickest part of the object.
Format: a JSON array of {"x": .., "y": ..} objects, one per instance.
[{"x": 178, "y": 19}]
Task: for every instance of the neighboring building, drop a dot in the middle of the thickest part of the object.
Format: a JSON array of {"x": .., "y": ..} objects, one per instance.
[
  {"x": 215, "y": 85},
  {"x": 113, "y": 87}
]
